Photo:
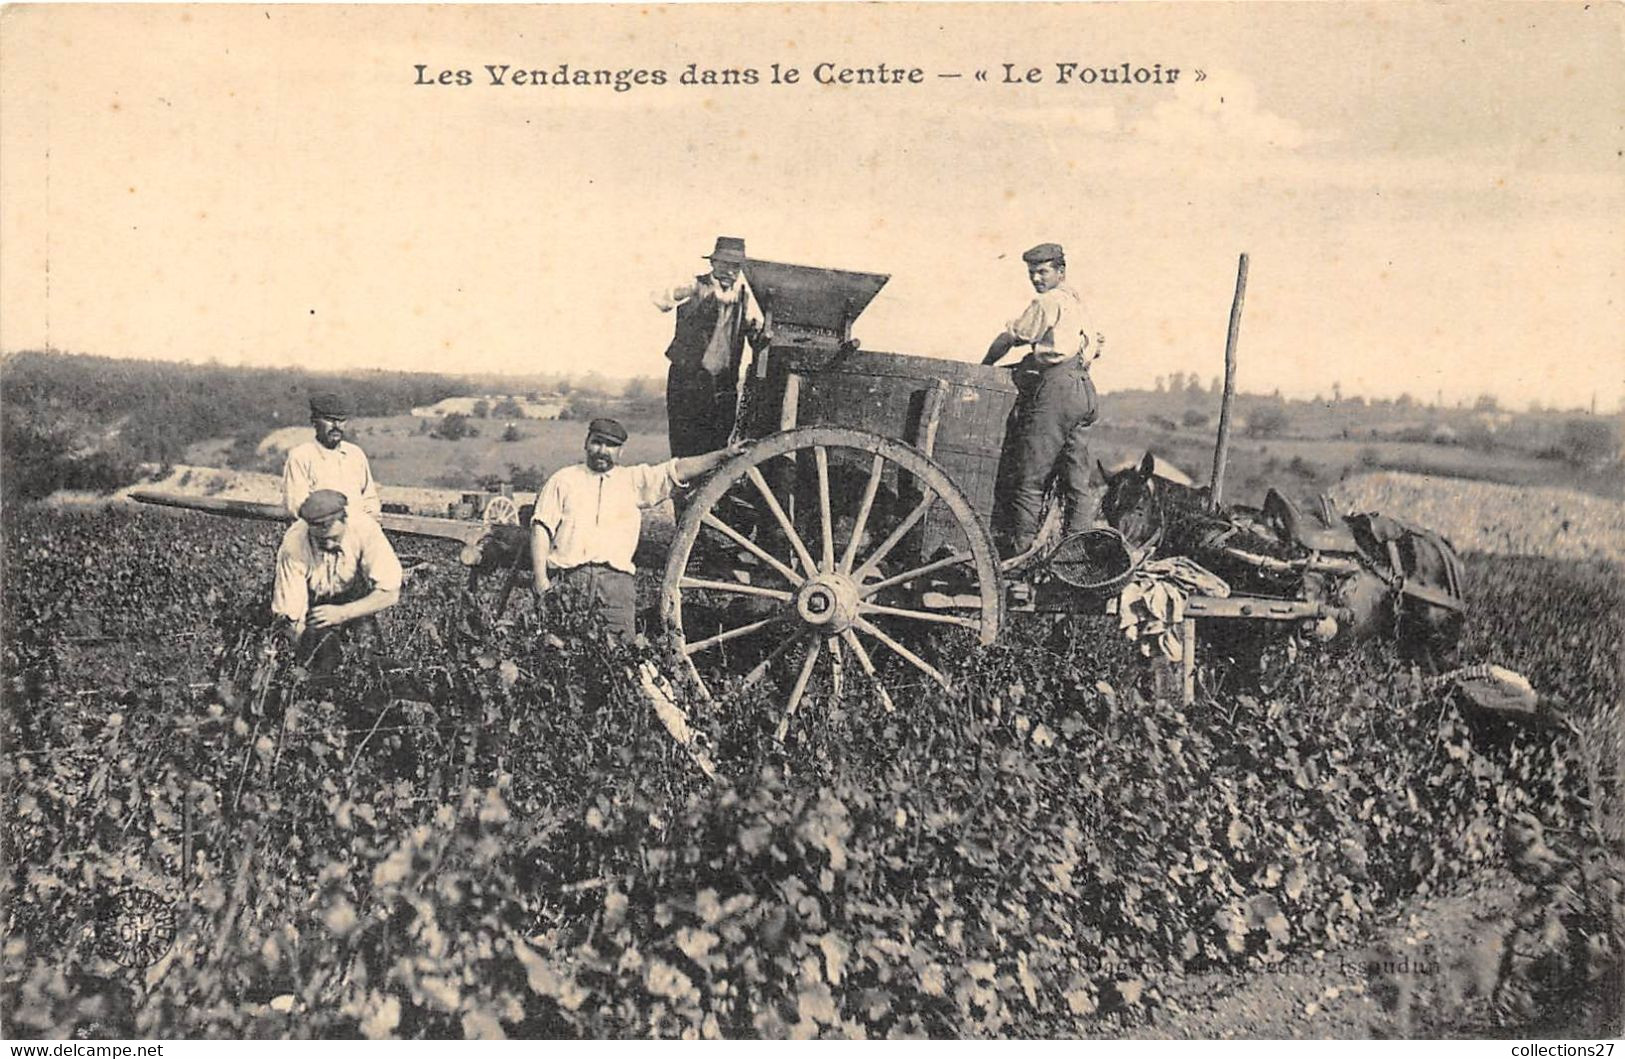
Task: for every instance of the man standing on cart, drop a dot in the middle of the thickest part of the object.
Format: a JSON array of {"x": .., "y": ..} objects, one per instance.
[
  {"x": 716, "y": 313},
  {"x": 1046, "y": 432}
]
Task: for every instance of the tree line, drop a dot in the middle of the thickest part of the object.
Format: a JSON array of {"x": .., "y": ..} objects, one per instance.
[{"x": 80, "y": 421}]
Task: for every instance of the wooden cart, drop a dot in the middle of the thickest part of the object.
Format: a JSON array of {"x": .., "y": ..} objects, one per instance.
[{"x": 856, "y": 527}]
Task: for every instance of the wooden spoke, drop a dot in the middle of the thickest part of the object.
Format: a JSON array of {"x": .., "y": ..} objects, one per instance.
[
  {"x": 871, "y": 563},
  {"x": 919, "y": 615},
  {"x": 784, "y": 520},
  {"x": 735, "y": 587},
  {"x": 929, "y": 568},
  {"x": 732, "y": 634},
  {"x": 870, "y": 540},
  {"x": 826, "y": 523},
  {"x": 752, "y": 547},
  {"x": 868, "y": 667},
  {"x": 800, "y": 689},
  {"x": 909, "y": 656},
  {"x": 862, "y": 521},
  {"x": 773, "y": 656}
]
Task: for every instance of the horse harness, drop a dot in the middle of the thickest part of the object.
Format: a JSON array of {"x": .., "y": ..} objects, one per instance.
[{"x": 1377, "y": 541}]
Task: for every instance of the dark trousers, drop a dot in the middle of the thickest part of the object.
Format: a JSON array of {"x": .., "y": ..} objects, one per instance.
[
  {"x": 1046, "y": 434},
  {"x": 595, "y": 592},
  {"x": 699, "y": 409}
]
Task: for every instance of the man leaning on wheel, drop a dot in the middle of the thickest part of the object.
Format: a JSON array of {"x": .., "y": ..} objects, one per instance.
[{"x": 587, "y": 520}]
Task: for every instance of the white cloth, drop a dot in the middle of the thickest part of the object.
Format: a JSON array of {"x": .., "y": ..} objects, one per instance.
[
  {"x": 307, "y": 573},
  {"x": 1152, "y": 605},
  {"x": 596, "y": 517},
  {"x": 719, "y": 350},
  {"x": 1054, "y": 325},
  {"x": 314, "y": 466}
]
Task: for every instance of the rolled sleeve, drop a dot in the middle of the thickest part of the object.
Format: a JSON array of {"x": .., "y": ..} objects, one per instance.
[
  {"x": 549, "y": 510},
  {"x": 379, "y": 563},
  {"x": 290, "y": 592},
  {"x": 670, "y": 298},
  {"x": 371, "y": 503},
  {"x": 1036, "y": 322},
  {"x": 654, "y": 482},
  {"x": 296, "y": 481}
]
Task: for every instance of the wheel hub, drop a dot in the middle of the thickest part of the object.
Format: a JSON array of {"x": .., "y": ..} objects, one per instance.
[{"x": 829, "y": 601}]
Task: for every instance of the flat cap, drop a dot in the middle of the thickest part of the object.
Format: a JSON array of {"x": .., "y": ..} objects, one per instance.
[
  {"x": 608, "y": 429},
  {"x": 322, "y": 505},
  {"x": 1044, "y": 252},
  {"x": 330, "y": 406}
]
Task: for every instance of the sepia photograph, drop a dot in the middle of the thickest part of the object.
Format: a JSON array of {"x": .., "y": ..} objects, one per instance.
[{"x": 840, "y": 521}]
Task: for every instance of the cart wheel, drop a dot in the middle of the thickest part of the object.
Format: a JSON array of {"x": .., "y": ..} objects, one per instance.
[
  {"x": 501, "y": 511},
  {"x": 791, "y": 577}
]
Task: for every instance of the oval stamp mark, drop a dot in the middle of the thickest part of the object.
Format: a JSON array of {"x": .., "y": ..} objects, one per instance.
[{"x": 135, "y": 928}]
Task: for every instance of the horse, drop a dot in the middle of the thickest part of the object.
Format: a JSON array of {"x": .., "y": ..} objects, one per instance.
[{"x": 1380, "y": 577}]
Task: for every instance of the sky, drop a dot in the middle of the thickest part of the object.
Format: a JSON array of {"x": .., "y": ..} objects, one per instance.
[{"x": 1431, "y": 197}]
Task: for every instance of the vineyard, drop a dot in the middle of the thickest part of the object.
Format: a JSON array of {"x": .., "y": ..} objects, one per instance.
[{"x": 485, "y": 832}]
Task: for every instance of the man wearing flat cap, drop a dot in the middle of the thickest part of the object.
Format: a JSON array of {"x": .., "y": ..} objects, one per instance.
[
  {"x": 716, "y": 313},
  {"x": 587, "y": 520},
  {"x": 334, "y": 571},
  {"x": 1046, "y": 432},
  {"x": 329, "y": 462}
]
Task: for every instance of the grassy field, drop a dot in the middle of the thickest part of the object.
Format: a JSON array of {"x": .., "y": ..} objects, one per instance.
[
  {"x": 404, "y": 453},
  {"x": 1303, "y": 467}
]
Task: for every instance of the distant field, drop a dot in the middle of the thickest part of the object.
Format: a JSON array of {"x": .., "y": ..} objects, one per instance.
[
  {"x": 401, "y": 455},
  {"x": 1304, "y": 467}
]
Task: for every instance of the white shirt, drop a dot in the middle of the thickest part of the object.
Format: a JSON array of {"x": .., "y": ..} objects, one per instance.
[
  {"x": 307, "y": 572},
  {"x": 596, "y": 518},
  {"x": 314, "y": 466},
  {"x": 1053, "y": 324}
]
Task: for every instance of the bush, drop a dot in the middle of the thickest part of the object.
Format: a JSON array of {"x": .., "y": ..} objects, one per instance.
[
  {"x": 1586, "y": 442},
  {"x": 455, "y": 427},
  {"x": 526, "y": 479},
  {"x": 1194, "y": 417},
  {"x": 1268, "y": 421}
]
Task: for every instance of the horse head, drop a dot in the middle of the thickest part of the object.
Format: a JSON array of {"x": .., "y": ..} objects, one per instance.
[{"x": 1133, "y": 502}]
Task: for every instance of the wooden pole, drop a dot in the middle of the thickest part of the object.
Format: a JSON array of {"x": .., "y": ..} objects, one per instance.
[
  {"x": 1187, "y": 661},
  {"x": 1221, "y": 451}
]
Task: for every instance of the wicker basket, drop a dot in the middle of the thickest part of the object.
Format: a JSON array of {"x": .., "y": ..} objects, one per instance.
[{"x": 1096, "y": 560}]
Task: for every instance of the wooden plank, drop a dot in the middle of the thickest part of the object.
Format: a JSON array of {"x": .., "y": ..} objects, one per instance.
[
  {"x": 449, "y": 529},
  {"x": 907, "y": 366},
  {"x": 792, "y": 402},
  {"x": 931, "y": 417},
  {"x": 1254, "y": 607},
  {"x": 1187, "y": 660}
]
